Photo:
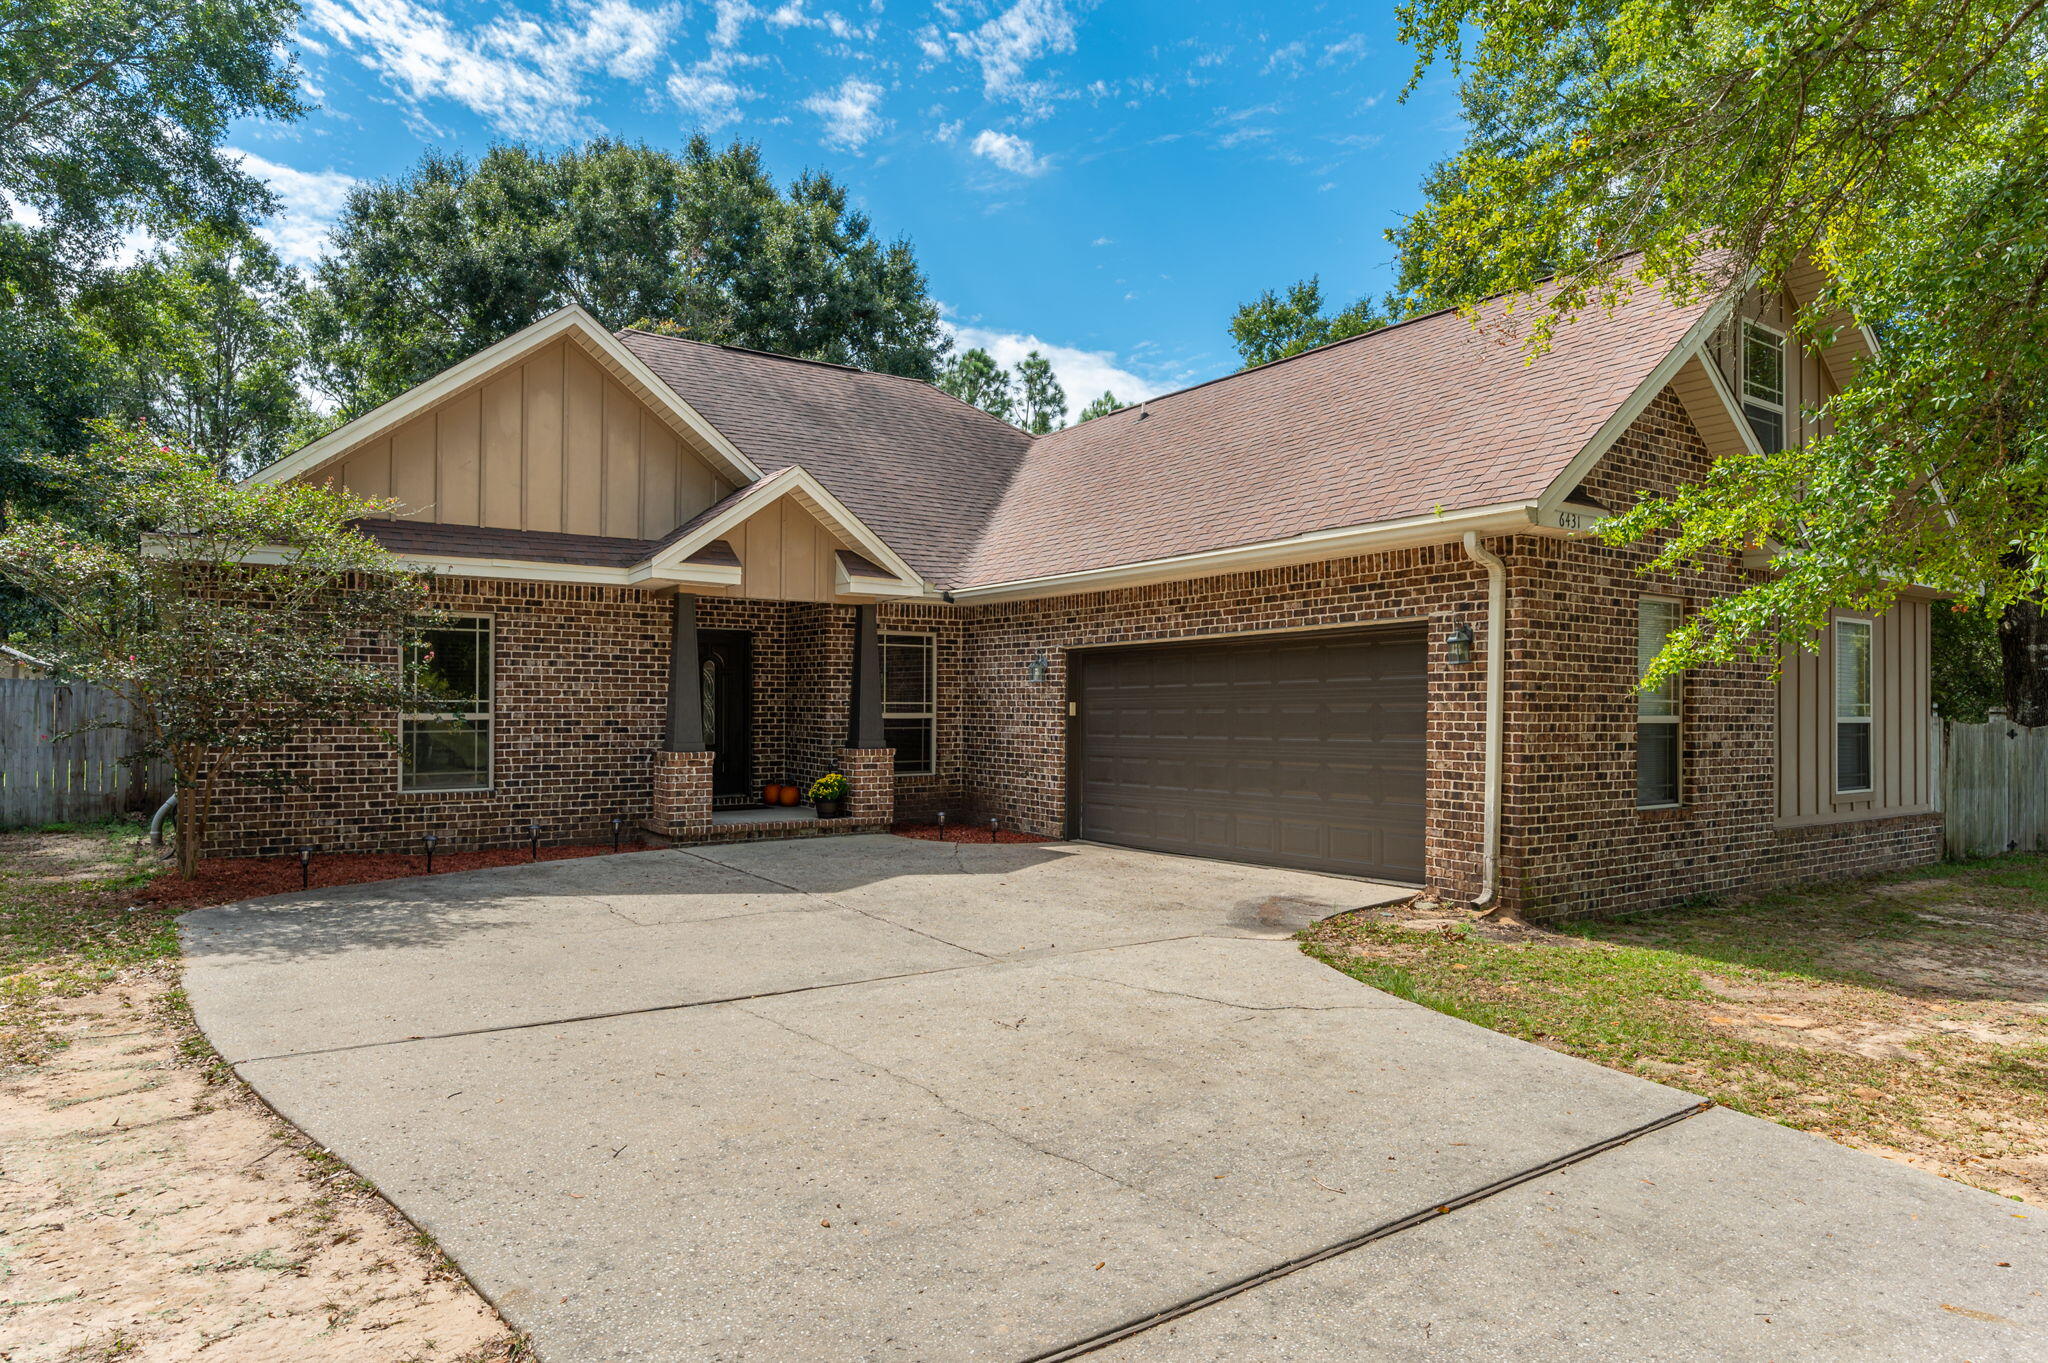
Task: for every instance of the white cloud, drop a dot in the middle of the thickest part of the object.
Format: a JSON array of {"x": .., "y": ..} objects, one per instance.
[
  {"x": 1347, "y": 51},
  {"x": 1289, "y": 56},
  {"x": 848, "y": 112},
  {"x": 1084, "y": 374},
  {"x": 525, "y": 76},
  {"x": 1006, "y": 44},
  {"x": 708, "y": 91},
  {"x": 308, "y": 204},
  {"x": 1014, "y": 154}
]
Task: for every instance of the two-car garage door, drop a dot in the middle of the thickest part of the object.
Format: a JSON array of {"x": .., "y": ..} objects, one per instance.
[{"x": 1304, "y": 751}]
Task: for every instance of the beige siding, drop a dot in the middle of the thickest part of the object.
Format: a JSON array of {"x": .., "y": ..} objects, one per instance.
[
  {"x": 1901, "y": 775},
  {"x": 1807, "y": 382},
  {"x": 786, "y": 554},
  {"x": 551, "y": 443}
]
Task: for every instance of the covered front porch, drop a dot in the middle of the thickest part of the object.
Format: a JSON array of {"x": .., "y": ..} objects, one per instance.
[{"x": 770, "y": 693}]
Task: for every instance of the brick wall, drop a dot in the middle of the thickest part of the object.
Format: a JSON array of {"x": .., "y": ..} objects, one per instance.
[
  {"x": 923, "y": 797},
  {"x": 580, "y": 700}
]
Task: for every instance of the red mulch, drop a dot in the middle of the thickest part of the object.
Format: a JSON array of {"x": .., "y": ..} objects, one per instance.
[
  {"x": 956, "y": 832},
  {"x": 223, "y": 880}
]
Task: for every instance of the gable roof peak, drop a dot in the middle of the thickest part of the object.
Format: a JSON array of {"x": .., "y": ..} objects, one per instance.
[{"x": 572, "y": 320}]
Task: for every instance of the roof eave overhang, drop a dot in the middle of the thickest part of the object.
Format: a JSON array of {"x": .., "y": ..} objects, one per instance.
[
  {"x": 799, "y": 483},
  {"x": 572, "y": 321},
  {"x": 686, "y": 575},
  {"x": 1506, "y": 518}
]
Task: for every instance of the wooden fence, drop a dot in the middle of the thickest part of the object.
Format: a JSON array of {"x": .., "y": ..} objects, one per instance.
[
  {"x": 1994, "y": 787},
  {"x": 49, "y": 777}
]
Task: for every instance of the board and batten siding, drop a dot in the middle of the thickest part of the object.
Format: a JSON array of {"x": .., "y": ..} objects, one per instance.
[
  {"x": 786, "y": 554},
  {"x": 553, "y": 442},
  {"x": 1808, "y": 385},
  {"x": 1903, "y": 777}
]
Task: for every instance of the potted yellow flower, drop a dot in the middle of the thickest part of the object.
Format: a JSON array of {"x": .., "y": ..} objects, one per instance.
[{"x": 828, "y": 795}]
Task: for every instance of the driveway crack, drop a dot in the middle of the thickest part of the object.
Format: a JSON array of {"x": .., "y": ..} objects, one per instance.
[{"x": 1139, "y": 1325}]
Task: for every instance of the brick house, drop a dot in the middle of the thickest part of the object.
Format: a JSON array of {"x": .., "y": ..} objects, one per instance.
[{"x": 1341, "y": 612}]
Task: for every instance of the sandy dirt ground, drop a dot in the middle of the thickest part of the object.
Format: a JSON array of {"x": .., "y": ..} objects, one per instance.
[{"x": 152, "y": 1209}]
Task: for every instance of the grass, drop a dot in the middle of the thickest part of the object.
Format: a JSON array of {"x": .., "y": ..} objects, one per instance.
[
  {"x": 1906, "y": 1014},
  {"x": 66, "y": 927}
]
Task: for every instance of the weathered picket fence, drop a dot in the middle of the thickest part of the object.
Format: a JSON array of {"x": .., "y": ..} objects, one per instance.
[
  {"x": 1994, "y": 787},
  {"x": 53, "y": 769}
]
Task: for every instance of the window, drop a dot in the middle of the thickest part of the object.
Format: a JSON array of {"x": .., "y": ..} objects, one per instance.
[
  {"x": 445, "y": 736},
  {"x": 1656, "y": 709},
  {"x": 1763, "y": 384},
  {"x": 910, "y": 700},
  {"x": 1852, "y": 705}
]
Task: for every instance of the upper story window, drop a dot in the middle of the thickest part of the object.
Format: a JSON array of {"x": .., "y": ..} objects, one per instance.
[
  {"x": 444, "y": 736},
  {"x": 910, "y": 692},
  {"x": 1763, "y": 384},
  {"x": 1852, "y": 705},
  {"x": 1657, "y": 708}
]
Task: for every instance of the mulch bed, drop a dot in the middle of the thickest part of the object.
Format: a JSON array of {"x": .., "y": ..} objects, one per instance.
[
  {"x": 959, "y": 832},
  {"x": 223, "y": 880}
]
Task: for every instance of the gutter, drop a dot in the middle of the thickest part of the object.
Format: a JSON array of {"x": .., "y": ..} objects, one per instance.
[
  {"x": 1506, "y": 518},
  {"x": 1496, "y": 698}
]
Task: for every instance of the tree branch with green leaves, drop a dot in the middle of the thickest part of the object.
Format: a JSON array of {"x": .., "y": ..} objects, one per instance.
[
  {"x": 1901, "y": 146},
  {"x": 222, "y": 664}
]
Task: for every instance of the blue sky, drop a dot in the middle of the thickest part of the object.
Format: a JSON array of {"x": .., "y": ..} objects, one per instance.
[{"x": 1106, "y": 181}]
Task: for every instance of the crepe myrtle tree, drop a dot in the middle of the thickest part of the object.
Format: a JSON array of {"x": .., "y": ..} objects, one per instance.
[{"x": 153, "y": 599}]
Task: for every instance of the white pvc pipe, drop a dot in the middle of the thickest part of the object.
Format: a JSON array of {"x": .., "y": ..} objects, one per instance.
[{"x": 1496, "y": 705}]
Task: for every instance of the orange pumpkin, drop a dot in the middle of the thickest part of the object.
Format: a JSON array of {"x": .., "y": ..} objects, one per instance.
[
  {"x": 790, "y": 794},
  {"x": 771, "y": 794}
]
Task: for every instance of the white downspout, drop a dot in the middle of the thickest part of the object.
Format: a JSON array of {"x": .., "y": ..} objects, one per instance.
[{"x": 1496, "y": 703}]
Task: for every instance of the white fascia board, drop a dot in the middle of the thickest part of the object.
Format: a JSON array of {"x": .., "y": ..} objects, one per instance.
[
  {"x": 685, "y": 575},
  {"x": 793, "y": 481},
  {"x": 1505, "y": 518},
  {"x": 409, "y": 404},
  {"x": 1720, "y": 387},
  {"x": 846, "y": 584},
  {"x": 518, "y": 569}
]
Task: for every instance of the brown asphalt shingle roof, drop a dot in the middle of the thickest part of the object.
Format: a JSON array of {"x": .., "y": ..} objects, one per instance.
[
  {"x": 430, "y": 539},
  {"x": 921, "y": 469},
  {"x": 1433, "y": 414}
]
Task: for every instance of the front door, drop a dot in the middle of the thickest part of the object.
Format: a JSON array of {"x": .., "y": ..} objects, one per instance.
[{"x": 726, "y": 657}]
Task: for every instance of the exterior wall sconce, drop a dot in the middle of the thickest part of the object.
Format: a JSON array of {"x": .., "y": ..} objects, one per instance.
[
  {"x": 1037, "y": 670},
  {"x": 1458, "y": 647}
]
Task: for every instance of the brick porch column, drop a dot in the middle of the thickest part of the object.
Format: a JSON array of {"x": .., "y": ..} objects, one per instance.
[
  {"x": 872, "y": 773},
  {"x": 682, "y": 795}
]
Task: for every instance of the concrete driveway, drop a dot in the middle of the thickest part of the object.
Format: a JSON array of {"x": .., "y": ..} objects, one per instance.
[{"x": 871, "y": 1098}]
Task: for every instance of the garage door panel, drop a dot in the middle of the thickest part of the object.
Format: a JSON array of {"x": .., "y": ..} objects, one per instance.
[{"x": 1302, "y": 752}]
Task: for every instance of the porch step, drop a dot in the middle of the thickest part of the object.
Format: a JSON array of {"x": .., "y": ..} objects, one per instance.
[{"x": 762, "y": 824}]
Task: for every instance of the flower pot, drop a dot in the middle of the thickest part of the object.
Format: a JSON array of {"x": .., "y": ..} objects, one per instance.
[{"x": 831, "y": 809}]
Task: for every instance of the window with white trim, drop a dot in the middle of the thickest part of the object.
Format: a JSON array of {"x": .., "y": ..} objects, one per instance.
[
  {"x": 1657, "y": 708},
  {"x": 444, "y": 735},
  {"x": 1763, "y": 384},
  {"x": 1853, "y": 709},
  {"x": 910, "y": 701}
]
